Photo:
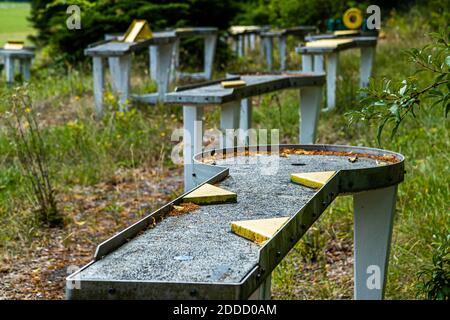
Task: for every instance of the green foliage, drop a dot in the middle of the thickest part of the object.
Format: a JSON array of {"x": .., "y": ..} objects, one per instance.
[
  {"x": 289, "y": 13},
  {"x": 29, "y": 146},
  {"x": 435, "y": 283},
  {"x": 389, "y": 101},
  {"x": 112, "y": 16}
]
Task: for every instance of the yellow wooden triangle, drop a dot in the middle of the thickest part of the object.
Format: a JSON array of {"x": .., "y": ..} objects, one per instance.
[
  {"x": 312, "y": 179},
  {"x": 258, "y": 230},
  {"x": 209, "y": 194},
  {"x": 137, "y": 31}
]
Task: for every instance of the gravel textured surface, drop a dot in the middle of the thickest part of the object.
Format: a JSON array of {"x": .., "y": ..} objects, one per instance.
[{"x": 215, "y": 254}]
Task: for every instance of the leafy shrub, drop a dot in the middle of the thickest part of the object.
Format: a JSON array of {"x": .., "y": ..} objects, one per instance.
[
  {"x": 390, "y": 101},
  {"x": 25, "y": 135},
  {"x": 435, "y": 283},
  {"x": 112, "y": 16}
]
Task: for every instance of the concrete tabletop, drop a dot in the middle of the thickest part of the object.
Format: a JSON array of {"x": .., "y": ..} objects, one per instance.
[
  {"x": 25, "y": 52},
  {"x": 337, "y": 44},
  {"x": 212, "y": 253},
  {"x": 298, "y": 31},
  {"x": 116, "y": 48},
  {"x": 214, "y": 93},
  {"x": 187, "y": 32}
]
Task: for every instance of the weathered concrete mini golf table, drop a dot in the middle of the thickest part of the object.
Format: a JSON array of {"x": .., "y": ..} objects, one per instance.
[
  {"x": 196, "y": 256},
  {"x": 267, "y": 38},
  {"x": 23, "y": 56},
  {"x": 315, "y": 51},
  {"x": 236, "y": 108},
  {"x": 119, "y": 56}
]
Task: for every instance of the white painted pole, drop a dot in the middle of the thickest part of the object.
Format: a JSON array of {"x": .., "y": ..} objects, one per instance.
[
  {"x": 240, "y": 49},
  {"x": 153, "y": 61},
  {"x": 373, "y": 219},
  {"x": 310, "y": 105},
  {"x": 252, "y": 40},
  {"x": 210, "y": 51},
  {"x": 192, "y": 141},
  {"x": 282, "y": 47},
  {"x": 365, "y": 68},
  {"x": 268, "y": 44},
  {"x": 120, "y": 76},
  {"x": 229, "y": 119},
  {"x": 175, "y": 61},
  {"x": 332, "y": 70},
  {"x": 245, "y": 121},
  {"x": 163, "y": 65},
  {"x": 319, "y": 65},
  {"x": 9, "y": 69},
  {"x": 99, "y": 82},
  {"x": 26, "y": 66},
  {"x": 307, "y": 63}
]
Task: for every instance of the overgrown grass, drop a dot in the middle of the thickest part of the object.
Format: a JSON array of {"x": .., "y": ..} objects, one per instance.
[
  {"x": 84, "y": 151},
  {"x": 13, "y": 21}
]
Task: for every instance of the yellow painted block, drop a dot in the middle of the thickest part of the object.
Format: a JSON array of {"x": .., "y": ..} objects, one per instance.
[
  {"x": 312, "y": 179},
  {"x": 258, "y": 230},
  {"x": 14, "y": 45},
  {"x": 327, "y": 43},
  {"x": 233, "y": 84},
  {"x": 209, "y": 194},
  {"x": 138, "y": 30},
  {"x": 345, "y": 32}
]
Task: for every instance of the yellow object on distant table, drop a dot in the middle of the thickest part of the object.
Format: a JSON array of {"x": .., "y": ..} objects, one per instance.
[
  {"x": 14, "y": 45},
  {"x": 327, "y": 43},
  {"x": 233, "y": 84},
  {"x": 137, "y": 31},
  {"x": 312, "y": 179},
  {"x": 209, "y": 194},
  {"x": 258, "y": 230},
  {"x": 352, "y": 18},
  {"x": 346, "y": 32}
]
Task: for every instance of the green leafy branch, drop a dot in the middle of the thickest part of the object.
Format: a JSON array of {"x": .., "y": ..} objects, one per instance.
[{"x": 390, "y": 102}]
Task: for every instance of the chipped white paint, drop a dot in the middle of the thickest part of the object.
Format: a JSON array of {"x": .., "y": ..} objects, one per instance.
[
  {"x": 373, "y": 219},
  {"x": 192, "y": 141}
]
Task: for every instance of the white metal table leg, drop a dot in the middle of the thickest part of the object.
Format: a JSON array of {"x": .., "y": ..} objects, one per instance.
[
  {"x": 332, "y": 69},
  {"x": 373, "y": 219},
  {"x": 240, "y": 50},
  {"x": 282, "y": 46},
  {"x": 245, "y": 44},
  {"x": 153, "y": 61},
  {"x": 192, "y": 141},
  {"x": 319, "y": 65},
  {"x": 175, "y": 61},
  {"x": 9, "y": 69},
  {"x": 310, "y": 105},
  {"x": 307, "y": 63},
  {"x": 229, "y": 122},
  {"x": 163, "y": 56},
  {"x": 120, "y": 77},
  {"x": 252, "y": 41},
  {"x": 268, "y": 43},
  {"x": 365, "y": 68},
  {"x": 210, "y": 51},
  {"x": 245, "y": 121},
  {"x": 26, "y": 66},
  {"x": 99, "y": 82}
]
